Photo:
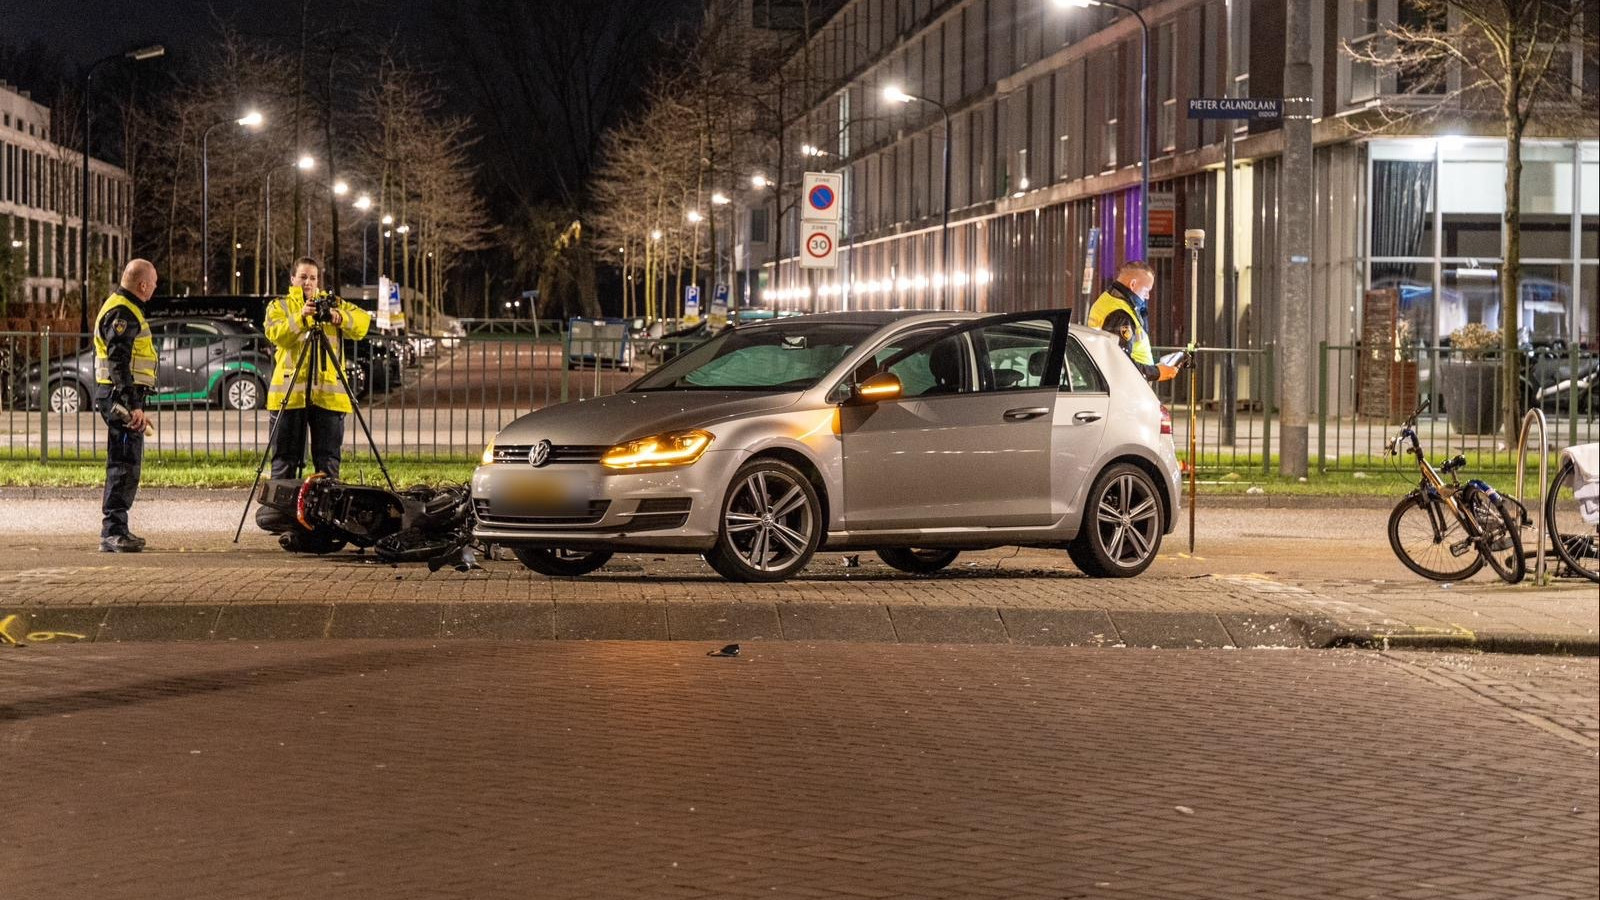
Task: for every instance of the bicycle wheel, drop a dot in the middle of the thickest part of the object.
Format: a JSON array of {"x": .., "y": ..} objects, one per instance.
[
  {"x": 1577, "y": 542},
  {"x": 1500, "y": 535},
  {"x": 1431, "y": 541}
]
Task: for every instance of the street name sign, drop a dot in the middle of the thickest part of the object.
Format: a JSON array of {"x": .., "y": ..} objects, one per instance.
[{"x": 1253, "y": 108}]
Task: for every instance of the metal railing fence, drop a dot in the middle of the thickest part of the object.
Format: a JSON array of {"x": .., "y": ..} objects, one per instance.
[{"x": 447, "y": 396}]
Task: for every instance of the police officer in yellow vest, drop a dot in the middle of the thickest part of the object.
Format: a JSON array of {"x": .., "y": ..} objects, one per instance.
[
  {"x": 290, "y": 322},
  {"x": 124, "y": 374},
  {"x": 1123, "y": 310}
]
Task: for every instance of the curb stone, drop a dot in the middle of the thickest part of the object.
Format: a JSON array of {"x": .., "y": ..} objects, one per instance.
[{"x": 748, "y": 622}]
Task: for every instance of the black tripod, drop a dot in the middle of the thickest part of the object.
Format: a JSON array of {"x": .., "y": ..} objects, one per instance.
[{"x": 314, "y": 351}]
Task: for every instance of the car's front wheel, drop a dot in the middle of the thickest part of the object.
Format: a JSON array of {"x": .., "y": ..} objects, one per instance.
[
  {"x": 68, "y": 397},
  {"x": 771, "y": 523},
  {"x": 918, "y": 561},
  {"x": 1122, "y": 524},
  {"x": 241, "y": 391},
  {"x": 559, "y": 563}
]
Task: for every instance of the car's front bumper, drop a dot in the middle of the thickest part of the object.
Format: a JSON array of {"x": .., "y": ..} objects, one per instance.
[{"x": 666, "y": 509}]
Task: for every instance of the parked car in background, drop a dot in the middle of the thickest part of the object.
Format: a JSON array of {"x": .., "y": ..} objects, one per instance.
[
  {"x": 218, "y": 360},
  {"x": 206, "y": 360},
  {"x": 918, "y": 435}
]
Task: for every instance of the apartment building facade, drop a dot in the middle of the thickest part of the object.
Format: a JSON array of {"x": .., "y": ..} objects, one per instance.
[
  {"x": 1043, "y": 106},
  {"x": 41, "y": 198}
]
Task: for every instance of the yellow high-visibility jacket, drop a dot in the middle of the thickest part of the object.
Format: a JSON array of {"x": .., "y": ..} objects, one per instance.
[
  {"x": 1139, "y": 342},
  {"x": 289, "y": 330},
  {"x": 142, "y": 365}
]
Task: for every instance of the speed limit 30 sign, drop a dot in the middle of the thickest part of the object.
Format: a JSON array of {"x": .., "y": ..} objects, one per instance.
[{"x": 819, "y": 246}]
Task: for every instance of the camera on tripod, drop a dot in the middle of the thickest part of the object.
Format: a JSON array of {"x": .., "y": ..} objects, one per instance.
[{"x": 323, "y": 304}]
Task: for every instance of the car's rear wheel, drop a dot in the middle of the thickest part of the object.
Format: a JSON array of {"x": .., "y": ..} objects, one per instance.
[
  {"x": 241, "y": 391},
  {"x": 561, "y": 563},
  {"x": 771, "y": 523},
  {"x": 918, "y": 561},
  {"x": 67, "y": 397},
  {"x": 1122, "y": 524}
]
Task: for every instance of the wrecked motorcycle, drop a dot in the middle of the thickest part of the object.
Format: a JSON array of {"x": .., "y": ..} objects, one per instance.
[{"x": 323, "y": 515}]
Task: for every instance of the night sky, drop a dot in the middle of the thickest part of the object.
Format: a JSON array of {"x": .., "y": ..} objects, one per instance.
[{"x": 85, "y": 30}]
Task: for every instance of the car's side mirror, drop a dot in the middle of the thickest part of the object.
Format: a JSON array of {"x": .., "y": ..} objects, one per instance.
[{"x": 880, "y": 387}]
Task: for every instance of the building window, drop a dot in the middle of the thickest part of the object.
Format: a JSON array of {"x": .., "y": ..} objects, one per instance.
[
  {"x": 1363, "y": 41},
  {"x": 758, "y": 225},
  {"x": 1166, "y": 60}
]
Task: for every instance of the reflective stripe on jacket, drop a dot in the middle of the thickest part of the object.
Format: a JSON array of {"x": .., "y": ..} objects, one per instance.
[
  {"x": 289, "y": 330},
  {"x": 143, "y": 364},
  {"x": 1108, "y": 303}
]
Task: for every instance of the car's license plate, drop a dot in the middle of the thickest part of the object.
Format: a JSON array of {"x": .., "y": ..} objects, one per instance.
[{"x": 553, "y": 493}]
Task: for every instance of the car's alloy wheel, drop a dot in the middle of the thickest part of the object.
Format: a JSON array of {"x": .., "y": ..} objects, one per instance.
[
  {"x": 241, "y": 392},
  {"x": 1122, "y": 524},
  {"x": 918, "y": 561},
  {"x": 67, "y": 397},
  {"x": 560, "y": 563},
  {"x": 771, "y": 524}
]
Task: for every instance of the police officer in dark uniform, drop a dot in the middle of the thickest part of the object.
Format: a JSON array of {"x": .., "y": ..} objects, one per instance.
[
  {"x": 1123, "y": 310},
  {"x": 124, "y": 373}
]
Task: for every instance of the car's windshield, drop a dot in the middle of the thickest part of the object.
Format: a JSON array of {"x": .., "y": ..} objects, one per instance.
[{"x": 791, "y": 356}]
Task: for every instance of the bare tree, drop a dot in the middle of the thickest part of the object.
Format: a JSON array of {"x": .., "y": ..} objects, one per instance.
[{"x": 1517, "y": 61}]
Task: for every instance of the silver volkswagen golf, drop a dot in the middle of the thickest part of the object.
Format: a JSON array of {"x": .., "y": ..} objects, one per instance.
[{"x": 913, "y": 434}]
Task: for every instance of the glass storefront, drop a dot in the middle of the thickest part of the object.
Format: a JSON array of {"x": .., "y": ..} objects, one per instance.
[{"x": 1434, "y": 234}]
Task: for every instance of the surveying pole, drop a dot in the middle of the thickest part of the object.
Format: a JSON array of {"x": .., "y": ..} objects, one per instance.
[{"x": 1195, "y": 240}]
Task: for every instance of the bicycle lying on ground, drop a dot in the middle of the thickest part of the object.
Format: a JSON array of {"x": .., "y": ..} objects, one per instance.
[
  {"x": 1447, "y": 530},
  {"x": 1574, "y": 535}
]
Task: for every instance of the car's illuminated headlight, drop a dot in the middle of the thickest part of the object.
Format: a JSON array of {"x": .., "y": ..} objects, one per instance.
[
  {"x": 488, "y": 455},
  {"x": 673, "y": 448}
]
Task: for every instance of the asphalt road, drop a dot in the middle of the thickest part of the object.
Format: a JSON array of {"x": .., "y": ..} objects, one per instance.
[{"x": 466, "y": 769}]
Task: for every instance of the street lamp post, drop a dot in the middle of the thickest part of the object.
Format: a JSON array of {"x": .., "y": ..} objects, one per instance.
[
  {"x": 251, "y": 119},
  {"x": 139, "y": 55},
  {"x": 1144, "y": 113},
  {"x": 896, "y": 95},
  {"x": 305, "y": 163},
  {"x": 364, "y": 203}
]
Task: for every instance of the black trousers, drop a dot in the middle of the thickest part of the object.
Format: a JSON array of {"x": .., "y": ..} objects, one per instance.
[
  {"x": 289, "y": 446},
  {"x": 124, "y": 462}
]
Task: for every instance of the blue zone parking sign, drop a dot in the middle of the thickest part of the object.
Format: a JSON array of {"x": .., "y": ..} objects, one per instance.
[{"x": 821, "y": 190}]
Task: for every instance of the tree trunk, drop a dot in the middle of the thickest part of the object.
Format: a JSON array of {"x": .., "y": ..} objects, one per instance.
[{"x": 1511, "y": 269}]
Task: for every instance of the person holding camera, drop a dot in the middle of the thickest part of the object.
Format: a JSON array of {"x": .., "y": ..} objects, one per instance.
[
  {"x": 124, "y": 374},
  {"x": 307, "y": 393}
]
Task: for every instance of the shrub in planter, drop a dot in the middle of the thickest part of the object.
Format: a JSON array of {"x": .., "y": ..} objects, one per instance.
[{"x": 1470, "y": 382}]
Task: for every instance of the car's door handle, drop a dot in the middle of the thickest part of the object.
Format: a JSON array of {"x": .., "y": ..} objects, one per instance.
[
  {"x": 1086, "y": 416},
  {"x": 1026, "y": 412}
]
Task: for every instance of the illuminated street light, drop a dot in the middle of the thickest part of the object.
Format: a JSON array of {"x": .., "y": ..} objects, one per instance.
[
  {"x": 759, "y": 181},
  {"x": 719, "y": 199},
  {"x": 306, "y": 163},
  {"x": 340, "y": 188},
  {"x": 694, "y": 216},
  {"x": 363, "y": 202},
  {"x": 895, "y": 94},
  {"x": 251, "y": 119},
  {"x": 655, "y": 235},
  {"x": 388, "y": 220},
  {"x": 404, "y": 229}
]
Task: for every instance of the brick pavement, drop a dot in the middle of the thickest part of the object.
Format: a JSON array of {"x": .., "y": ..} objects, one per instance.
[
  {"x": 1286, "y": 578},
  {"x": 611, "y": 770}
]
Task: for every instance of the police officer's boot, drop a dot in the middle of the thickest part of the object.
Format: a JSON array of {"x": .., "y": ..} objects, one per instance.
[{"x": 121, "y": 543}]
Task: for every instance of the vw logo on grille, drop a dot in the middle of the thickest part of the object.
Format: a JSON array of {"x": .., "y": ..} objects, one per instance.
[{"x": 539, "y": 453}]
